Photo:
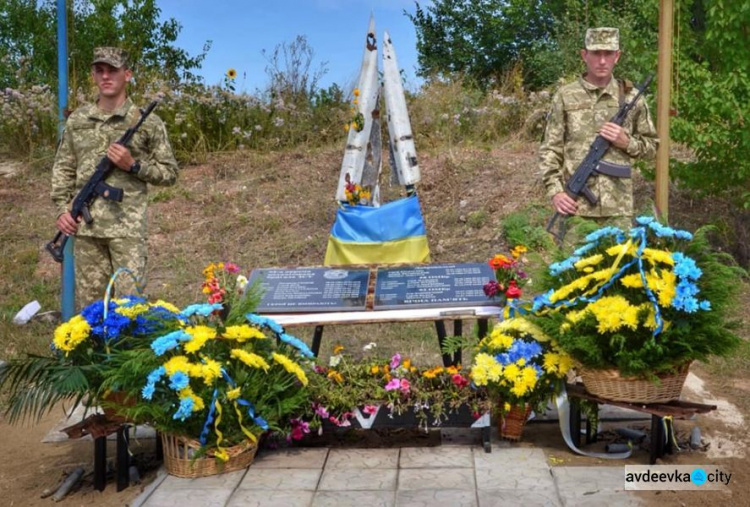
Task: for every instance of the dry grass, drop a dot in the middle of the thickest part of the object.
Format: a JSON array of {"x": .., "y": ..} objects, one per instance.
[{"x": 275, "y": 209}]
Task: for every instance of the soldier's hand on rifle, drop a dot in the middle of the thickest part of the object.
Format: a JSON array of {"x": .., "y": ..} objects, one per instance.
[
  {"x": 66, "y": 224},
  {"x": 120, "y": 156},
  {"x": 615, "y": 134},
  {"x": 564, "y": 204}
]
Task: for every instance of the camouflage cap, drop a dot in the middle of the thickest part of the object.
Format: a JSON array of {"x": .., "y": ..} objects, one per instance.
[
  {"x": 115, "y": 57},
  {"x": 602, "y": 39}
]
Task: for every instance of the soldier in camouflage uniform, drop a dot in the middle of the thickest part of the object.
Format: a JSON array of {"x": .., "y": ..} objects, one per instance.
[
  {"x": 117, "y": 236},
  {"x": 580, "y": 111}
]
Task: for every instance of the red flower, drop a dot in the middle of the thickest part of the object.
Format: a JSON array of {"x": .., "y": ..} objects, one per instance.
[
  {"x": 459, "y": 380},
  {"x": 513, "y": 292},
  {"x": 500, "y": 261}
]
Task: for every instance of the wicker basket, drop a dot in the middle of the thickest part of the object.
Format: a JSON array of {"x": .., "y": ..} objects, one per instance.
[
  {"x": 610, "y": 385},
  {"x": 510, "y": 425},
  {"x": 179, "y": 461}
]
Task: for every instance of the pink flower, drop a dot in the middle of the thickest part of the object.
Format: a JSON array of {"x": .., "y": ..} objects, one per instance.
[
  {"x": 231, "y": 267},
  {"x": 395, "y": 361},
  {"x": 459, "y": 380},
  {"x": 299, "y": 428},
  {"x": 370, "y": 409},
  {"x": 405, "y": 386},
  {"x": 393, "y": 385},
  {"x": 320, "y": 410}
]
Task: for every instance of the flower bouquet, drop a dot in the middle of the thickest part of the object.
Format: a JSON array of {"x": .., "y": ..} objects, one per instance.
[
  {"x": 509, "y": 275},
  {"x": 348, "y": 389},
  {"x": 635, "y": 308},
  {"x": 522, "y": 368},
  {"x": 82, "y": 354},
  {"x": 212, "y": 384}
]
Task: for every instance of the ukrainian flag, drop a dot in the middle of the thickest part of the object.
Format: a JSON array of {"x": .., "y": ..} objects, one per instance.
[{"x": 394, "y": 233}]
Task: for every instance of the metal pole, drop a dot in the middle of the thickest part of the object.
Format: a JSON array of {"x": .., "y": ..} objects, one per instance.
[
  {"x": 68, "y": 267},
  {"x": 663, "y": 94}
]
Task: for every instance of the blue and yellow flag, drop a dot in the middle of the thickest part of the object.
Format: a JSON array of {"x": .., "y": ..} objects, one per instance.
[{"x": 394, "y": 233}]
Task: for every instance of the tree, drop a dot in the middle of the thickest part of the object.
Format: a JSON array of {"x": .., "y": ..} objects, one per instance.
[
  {"x": 28, "y": 40},
  {"x": 482, "y": 39}
]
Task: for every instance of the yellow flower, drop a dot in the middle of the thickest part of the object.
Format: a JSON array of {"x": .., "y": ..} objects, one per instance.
[
  {"x": 517, "y": 251},
  {"x": 132, "y": 312},
  {"x": 356, "y": 92},
  {"x": 242, "y": 333},
  {"x": 197, "y": 400},
  {"x": 335, "y": 376},
  {"x": 589, "y": 261},
  {"x": 231, "y": 73},
  {"x": 338, "y": 349},
  {"x": 169, "y": 306},
  {"x": 250, "y": 359},
  {"x": 233, "y": 394},
  {"x": 511, "y": 371},
  {"x": 375, "y": 369},
  {"x": 200, "y": 335},
  {"x": 70, "y": 334},
  {"x": 178, "y": 363},
  {"x": 210, "y": 370},
  {"x": 291, "y": 367},
  {"x": 406, "y": 364}
]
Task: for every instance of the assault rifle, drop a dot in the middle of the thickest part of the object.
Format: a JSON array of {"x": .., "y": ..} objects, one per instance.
[
  {"x": 593, "y": 164},
  {"x": 96, "y": 187}
]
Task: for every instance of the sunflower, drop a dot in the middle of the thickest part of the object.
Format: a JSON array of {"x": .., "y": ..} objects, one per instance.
[{"x": 231, "y": 73}]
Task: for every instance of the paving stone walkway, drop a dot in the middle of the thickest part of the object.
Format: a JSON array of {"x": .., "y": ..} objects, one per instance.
[{"x": 450, "y": 476}]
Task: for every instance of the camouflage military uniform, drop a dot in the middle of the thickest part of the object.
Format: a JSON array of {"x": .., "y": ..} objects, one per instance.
[
  {"x": 578, "y": 111},
  {"x": 117, "y": 236}
]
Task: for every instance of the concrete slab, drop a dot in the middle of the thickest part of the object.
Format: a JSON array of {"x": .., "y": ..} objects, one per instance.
[
  {"x": 436, "y": 498},
  {"x": 228, "y": 481},
  {"x": 341, "y": 498},
  {"x": 599, "y": 499},
  {"x": 526, "y": 457},
  {"x": 436, "y": 478},
  {"x": 586, "y": 482},
  {"x": 358, "y": 479},
  {"x": 436, "y": 457},
  {"x": 192, "y": 497},
  {"x": 515, "y": 497},
  {"x": 268, "y": 498},
  {"x": 291, "y": 458},
  {"x": 286, "y": 479},
  {"x": 362, "y": 458},
  {"x": 513, "y": 476}
]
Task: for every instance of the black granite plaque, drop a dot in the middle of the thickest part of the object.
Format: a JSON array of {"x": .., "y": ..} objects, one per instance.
[
  {"x": 311, "y": 289},
  {"x": 440, "y": 285}
]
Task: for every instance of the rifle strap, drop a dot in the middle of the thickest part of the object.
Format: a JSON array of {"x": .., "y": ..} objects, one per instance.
[{"x": 623, "y": 86}]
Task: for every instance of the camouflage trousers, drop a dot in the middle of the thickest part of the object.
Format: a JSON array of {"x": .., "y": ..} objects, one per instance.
[{"x": 96, "y": 260}]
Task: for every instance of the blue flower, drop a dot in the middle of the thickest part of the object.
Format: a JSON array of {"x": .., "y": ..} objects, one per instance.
[
  {"x": 179, "y": 380},
  {"x": 148, "y": 391},
  {"x": 683, "y": 235},
  {"x": 558, "y": 267},
  {"x": 603, "y": 232},
  {"x": 297, "y": 343},
  {"x": 705, "y": 305},
  {"x": 186, "y": 408},
  {"x": 583, "y": 249},
  {"x": 686, "y": 289},
  {"x": 542, "y": 300},
  {"x": 644, "y": 220},
  {"x": 503, "y": 359},
  {"x": 685, "y": 267},
  {"x": 261, "y": 321},
  {"x": 156, "y": 375},
  {"x": 202, "y": 309},
  {"x": 169, "y": 341}
]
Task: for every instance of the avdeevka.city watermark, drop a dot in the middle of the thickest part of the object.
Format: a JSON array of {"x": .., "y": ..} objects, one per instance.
[{"x": 677, "y": 477}]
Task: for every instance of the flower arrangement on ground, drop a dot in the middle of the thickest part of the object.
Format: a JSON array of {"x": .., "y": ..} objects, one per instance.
[
  {"x": 519, "y": 365},
  {"x": 369, "y": 383},
  {"x": 643, "y": 302},
  {"x": 83, "y": 349},
  {"x": 213, "y": 378},
  {"x": 509, "y": 275}
]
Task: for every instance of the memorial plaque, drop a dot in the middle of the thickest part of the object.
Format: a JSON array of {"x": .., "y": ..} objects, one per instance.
[
  {"x": 431, "y": 286},
  {"x": 311, "y": 289}
]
